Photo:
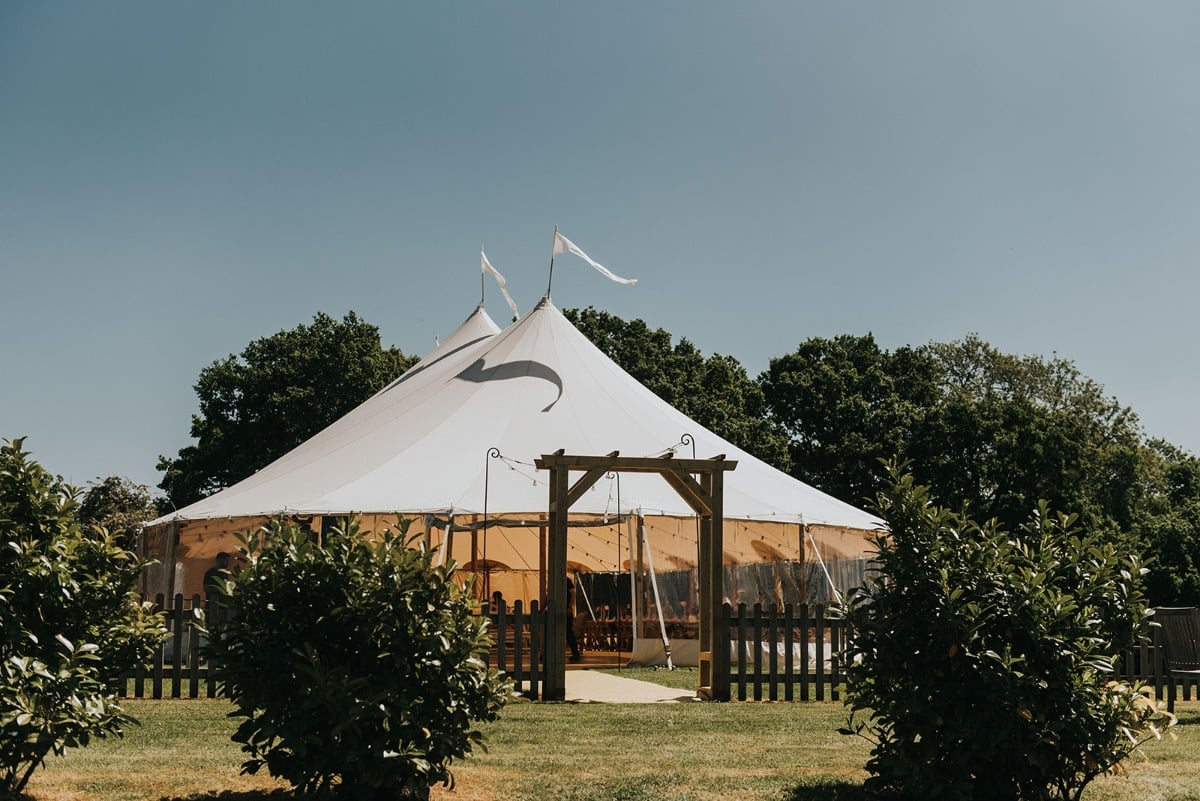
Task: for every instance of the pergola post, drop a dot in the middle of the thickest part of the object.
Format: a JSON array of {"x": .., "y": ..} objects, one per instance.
[
  {"x": 554, "y": 688},
  {"x": 711, "y": 560}
]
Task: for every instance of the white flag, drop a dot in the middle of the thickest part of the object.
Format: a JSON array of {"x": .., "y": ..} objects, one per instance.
[
  {"x": 488, "y": 268},
  {"x": 564, "y": 245}
]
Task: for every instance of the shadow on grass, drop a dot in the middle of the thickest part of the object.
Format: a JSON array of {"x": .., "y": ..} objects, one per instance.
[
  {"x": 229, "y": 795},
  {"x": 1186, "y": 718},
  {"x": 828, "y": 790},
  {"x": 659, "y": 787}
]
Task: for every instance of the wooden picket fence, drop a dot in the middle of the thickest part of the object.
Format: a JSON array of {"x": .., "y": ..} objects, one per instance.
[
  {"x": 179, "y": 668},
  {"x": 786, "y": 650},
  {"x": 519, "y": 638},
  {"x": 788, "y": 654},
  {"x": 771, "y": 646},
  {"x": 763, "y": 660}
]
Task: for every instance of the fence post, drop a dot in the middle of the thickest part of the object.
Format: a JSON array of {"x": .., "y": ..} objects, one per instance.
[
  {"x": 214, "y": 617},
  {"x": 156, "y": 689},
  {"x": 502, "y": 627},
  {"x": 804, "y": 630},
  {"x": 758, "y": 643},
  {"x": 532, "y": 620},
  {"x": 819, "y": 637},
  {"x": 518, "y": 654},
  {"x": 789, "y": 652},
  {"x": 837, "y": 641},
  {"x": 741, "y": 648},
  {"x": 177, "y": 649},
  {"x": 194, "y": 651}
]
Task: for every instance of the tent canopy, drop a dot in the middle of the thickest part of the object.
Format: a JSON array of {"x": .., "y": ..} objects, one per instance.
[
  {"x": 458, "y": 435},
  {"x": 451, "y": 445}
]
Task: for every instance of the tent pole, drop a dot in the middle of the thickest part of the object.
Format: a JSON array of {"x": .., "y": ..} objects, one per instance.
[
  {"x": 662, "y": 623},
  {"x": 821, "y": 560},
  {"x": 551, "y": 281},
  {"x": 635, "y": 587},
  {"x": 475, "y": 553},
  {"x": 447, "y": 540},
  {"x": 617, "y": 586},
  {"x": 586, "y": 598},
  {"x": 803, "y": 568}
]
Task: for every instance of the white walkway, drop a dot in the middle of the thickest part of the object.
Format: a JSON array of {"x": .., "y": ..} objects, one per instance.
[{"x": 588, "y": 686}]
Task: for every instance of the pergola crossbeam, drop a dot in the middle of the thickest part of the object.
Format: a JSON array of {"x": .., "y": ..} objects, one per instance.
[
  {"x": 631, "y": 464},
  {"x": 690, "y": 490},
  {"x": 586, "y": 481}
]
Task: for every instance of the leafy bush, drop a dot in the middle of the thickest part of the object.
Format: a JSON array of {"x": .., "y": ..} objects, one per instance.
[
  {"x": 69, "y": 621},
  {"x": 120, "y": 505},
  {"x": 984, "y": 658},
  {"x": 355, "y": 663}
]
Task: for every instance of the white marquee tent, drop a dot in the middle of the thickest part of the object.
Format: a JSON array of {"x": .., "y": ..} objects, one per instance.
[{"x": 451, "y": 445}]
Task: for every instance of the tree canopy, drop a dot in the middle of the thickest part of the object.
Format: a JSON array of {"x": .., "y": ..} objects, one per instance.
[
  {"x": 119, "y": 505},
  {"x": 1168, "y": 523},
  {"x": 282, "y": 389},
  {"x": 988, "y": 430},
  {"x": 847, "y": 404},
  {"x": 993, "y": 434},
  {"x": 1008, "y": 431}
]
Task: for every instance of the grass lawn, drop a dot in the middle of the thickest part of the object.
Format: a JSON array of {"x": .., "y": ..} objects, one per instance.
[{"x": 572, "y": 752}]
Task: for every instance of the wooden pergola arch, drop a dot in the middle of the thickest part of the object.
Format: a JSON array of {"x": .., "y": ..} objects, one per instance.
[{"x": 701, "y": 484}]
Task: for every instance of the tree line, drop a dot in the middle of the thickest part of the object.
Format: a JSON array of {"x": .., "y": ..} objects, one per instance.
[{"x": 990, "y": 433}]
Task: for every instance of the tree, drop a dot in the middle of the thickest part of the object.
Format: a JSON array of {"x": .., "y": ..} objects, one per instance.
[
  {"x": 280, "y": 391},
  {"x": 989, "y": 431},
  {"x": 1168, "y": 524},
  {"x": 1007, "y": 431},
  {"x": 846, "y": 404},
  {"x": 356, "y": 664},
  {"x": 69, "y": 621},
  {"x": 118, "y": 505},
  {"x": 983, "y": 655},
  {"x": 714, "y": 391}
]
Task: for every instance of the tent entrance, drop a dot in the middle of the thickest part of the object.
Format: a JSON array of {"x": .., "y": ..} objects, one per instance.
[{"x": 705, "y": 497}]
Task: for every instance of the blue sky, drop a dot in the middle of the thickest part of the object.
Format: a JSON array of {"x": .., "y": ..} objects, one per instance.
[{"x": 177, "y": 180}]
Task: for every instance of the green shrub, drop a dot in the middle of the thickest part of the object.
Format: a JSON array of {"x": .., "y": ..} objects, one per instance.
[
  {"x": 355, "y": 663},
  {"x": 69, "y": 621},
  {"x": 983, "y": 658}
]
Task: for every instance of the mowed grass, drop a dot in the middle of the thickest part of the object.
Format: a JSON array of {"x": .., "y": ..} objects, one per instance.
[
  {"x": 679, "y": 678},
  {"x": 573, "y": 752},
  {"x": 182, "y": 749}
]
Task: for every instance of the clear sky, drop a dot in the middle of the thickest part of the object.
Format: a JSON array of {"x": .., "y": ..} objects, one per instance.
[{"x": 178, "y": 179}]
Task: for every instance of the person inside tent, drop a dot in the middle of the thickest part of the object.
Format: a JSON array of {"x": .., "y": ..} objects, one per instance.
[
  {"x": 216, "y": 574},
  {"x": 572, "y": 640}
]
